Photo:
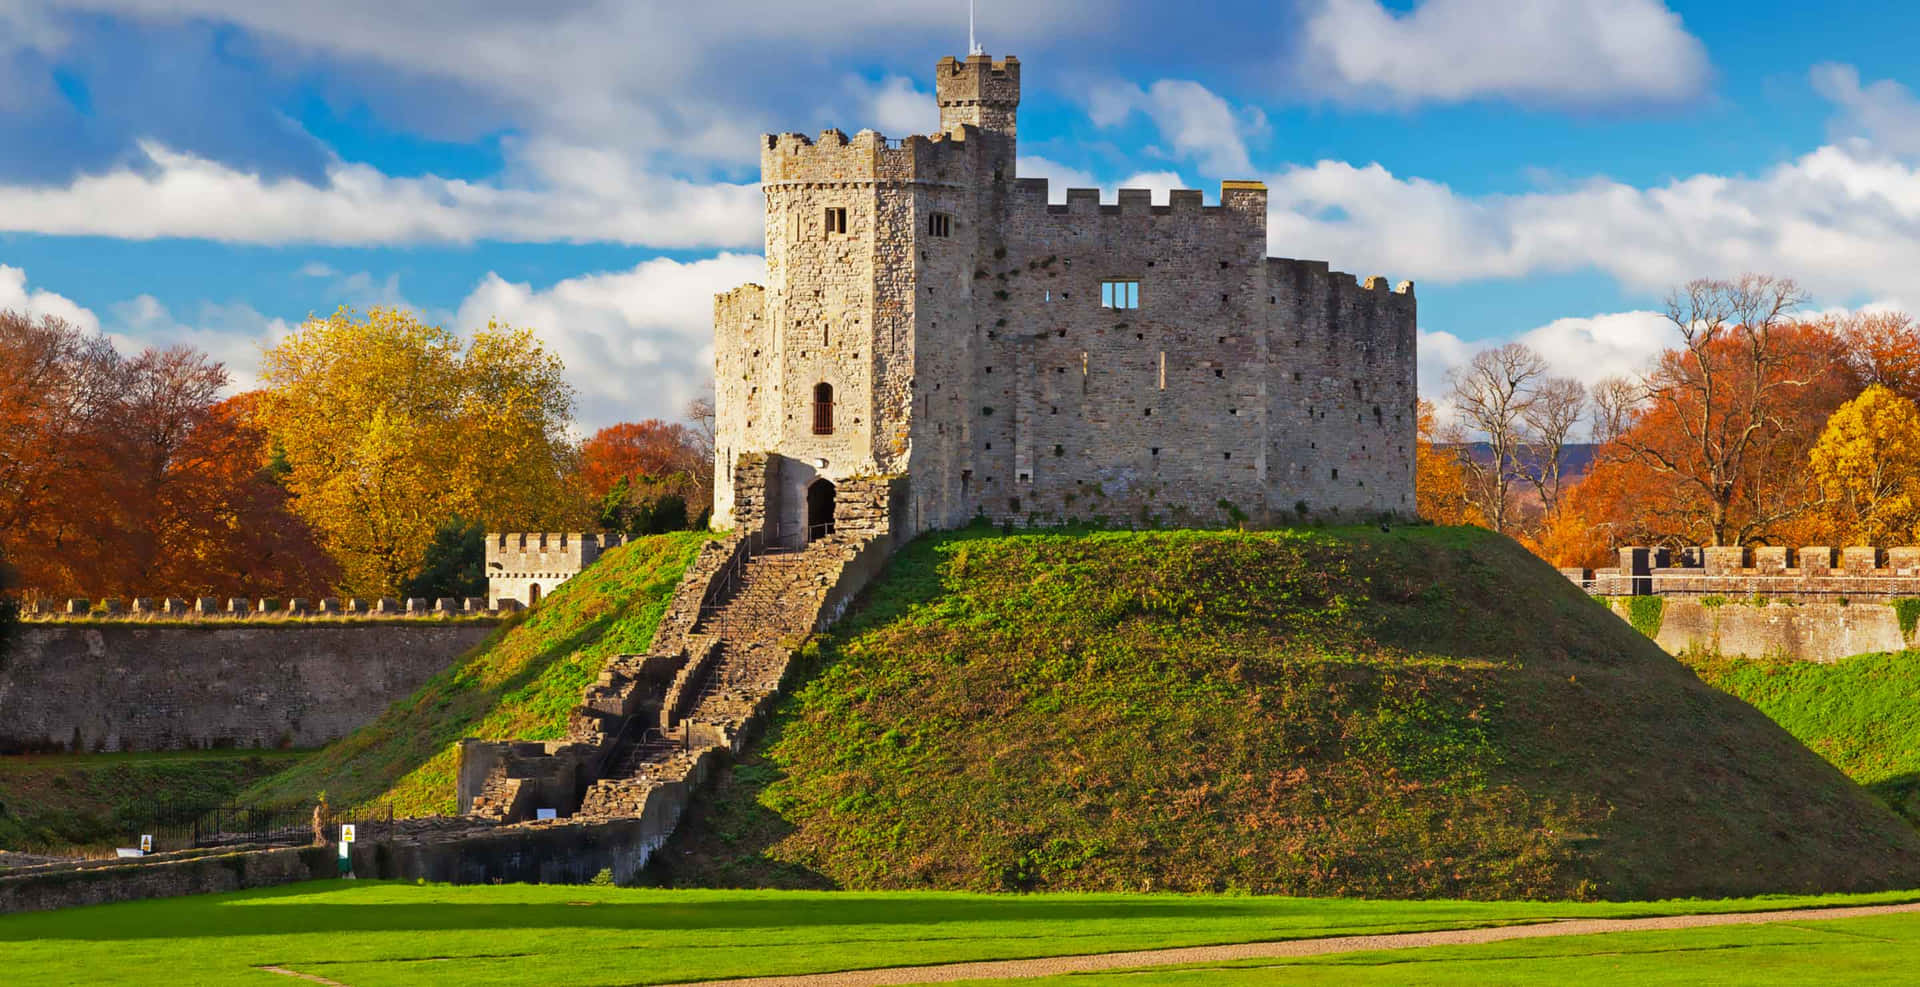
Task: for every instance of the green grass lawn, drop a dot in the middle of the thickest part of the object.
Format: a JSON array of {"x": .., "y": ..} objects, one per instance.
[
  {"x": 1881, "y": 949},
  {"x": 371, "y": 933},
  {"x": 64, "y": 803}
]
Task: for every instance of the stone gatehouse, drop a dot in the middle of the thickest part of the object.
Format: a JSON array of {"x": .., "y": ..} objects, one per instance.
[{"x": 933, "y": 324}]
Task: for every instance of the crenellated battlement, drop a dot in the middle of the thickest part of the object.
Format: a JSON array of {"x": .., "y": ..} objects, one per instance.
[
  {"x": 1238, "y": 200},
  {"x": 258, "y": 609},
  {"x": 1771, "y": 571},
  {"x": 868, "y": 156},
  {"x": 978, "y": 92},
  {"x": 521, "y": 566}
]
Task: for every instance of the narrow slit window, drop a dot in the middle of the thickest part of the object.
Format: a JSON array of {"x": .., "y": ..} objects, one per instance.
[
  {"x": 836, "y": 220},
  {"x": 1163, "y": 370},
  {"x": 940, "y": 224},
  {"x": 1120, "y": 293},
  {"x": 823, "y": 409}
]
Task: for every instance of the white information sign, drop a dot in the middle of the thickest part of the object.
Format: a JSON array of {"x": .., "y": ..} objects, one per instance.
[
  {"x": 346, "y": 833},
  {"x": 146, "y": 842}
]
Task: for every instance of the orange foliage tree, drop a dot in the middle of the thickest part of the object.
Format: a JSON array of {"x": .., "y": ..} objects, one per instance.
[
  {"x": 1710, "y": 446},
  {"x": 1441, "y": 481},
  {"x": 641, "y": 463},
  {"x": 128, "y": 477}
]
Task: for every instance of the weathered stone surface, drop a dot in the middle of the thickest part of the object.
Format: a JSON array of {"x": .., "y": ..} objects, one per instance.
[
  {"x": 172, "y": 685},
  {"x": 947, "y": 321}
]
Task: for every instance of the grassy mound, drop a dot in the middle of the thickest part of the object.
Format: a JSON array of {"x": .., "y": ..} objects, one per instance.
[
  {"x": 1421, "y": 713},
  {"x": 1862, "y": 713},
  {"x": 520, "y": 682},
  {"x": 85, "y": 802}
]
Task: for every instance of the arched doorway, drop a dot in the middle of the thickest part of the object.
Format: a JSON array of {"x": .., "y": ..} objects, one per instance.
[
  {"x": 819, "y": 510},
  {"x": 533, "y": 594}
]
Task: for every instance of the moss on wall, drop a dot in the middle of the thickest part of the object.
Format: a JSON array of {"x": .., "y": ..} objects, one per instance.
[{"x": 1645, "y": 612}]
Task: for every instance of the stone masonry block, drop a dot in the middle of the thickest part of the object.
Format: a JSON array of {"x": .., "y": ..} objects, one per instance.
[
  {"x": 1816, "y": 560},
  {"x": 1859, "y": 560},
  {"x": 1771, "y": 560},
  {"x": 1725, "y": 560}
]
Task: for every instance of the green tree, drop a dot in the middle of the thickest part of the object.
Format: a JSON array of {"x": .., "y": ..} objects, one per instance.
[
  {"x": 455, "y": 563},
  {"x": 389, "y": 426}
]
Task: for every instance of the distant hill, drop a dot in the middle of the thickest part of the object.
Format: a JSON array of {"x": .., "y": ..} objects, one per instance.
[
  {"x": 1420, "y": 713},
  {"x": 1575, "y": 458}
]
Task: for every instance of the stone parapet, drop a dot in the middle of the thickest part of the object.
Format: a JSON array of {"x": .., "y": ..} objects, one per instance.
[
  {"x": 1814, "y": 572},
  {"x": 242, "y": 609}
]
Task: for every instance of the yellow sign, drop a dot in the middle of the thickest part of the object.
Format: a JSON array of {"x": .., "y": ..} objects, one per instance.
[
  {"x": 146, "y": 843},
  {"x": 346, "y": 833}
]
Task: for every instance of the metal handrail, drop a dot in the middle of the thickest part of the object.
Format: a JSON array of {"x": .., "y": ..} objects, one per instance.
[{"x": 607, "y": 755}]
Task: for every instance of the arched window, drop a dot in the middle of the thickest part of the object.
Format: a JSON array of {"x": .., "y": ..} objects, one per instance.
[{"x": 823, "y": 409}]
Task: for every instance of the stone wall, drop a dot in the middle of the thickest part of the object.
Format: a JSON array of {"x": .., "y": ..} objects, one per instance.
[
  {"x": 94, "y": 686},
  {"x": 100, "y": 882},
  {"x": 1777, "y": 629}
]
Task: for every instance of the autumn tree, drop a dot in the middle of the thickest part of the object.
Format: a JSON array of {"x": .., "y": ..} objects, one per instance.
[
  {"x": 1883, "y": 348},
  {"x": 1867, "y": 465},
  {"x": 1440, "y": 476},
  {"x": 389, "y": 427},
  {"x": 58, "y": 400},
  {"x": 648, "y": 476},
  {"x": 1724, "y": 419}
]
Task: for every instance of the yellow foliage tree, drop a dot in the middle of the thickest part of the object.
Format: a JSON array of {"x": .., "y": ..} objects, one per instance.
[
  {"x": 1440, "y": 479},
  {"x": 1867, "y": 465},
  {"x": 390, "y": 427}
]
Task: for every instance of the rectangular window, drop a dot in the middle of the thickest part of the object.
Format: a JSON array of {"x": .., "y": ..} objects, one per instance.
[
  {"x": 1120, "y": 293},
  {"x": 836, "y": 220},
  {"x": 939, "y": 224}
]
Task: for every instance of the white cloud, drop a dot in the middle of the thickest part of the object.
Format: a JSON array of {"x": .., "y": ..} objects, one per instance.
[
  {"x": 566, "y": 193},
  {"x": 1582, "y": 53},
  {"x": 235, "y": 334},
  {"x": 637, "y": 343},
  {"x": 1883, "y": 113},
  {"x": 1587, "y": 349},
  {"x": 316, "y": 269},
  {"x": 690, "y": 81},
  {"x": 1197, "y": 124},
  {"x": 894, "y": 106},
  {"x": 1843, "y": 220},
  {"x": 35, "y": 303}
]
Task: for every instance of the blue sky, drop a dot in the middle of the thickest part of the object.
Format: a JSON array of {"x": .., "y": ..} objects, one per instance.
[{"x": 213, "y": 171}]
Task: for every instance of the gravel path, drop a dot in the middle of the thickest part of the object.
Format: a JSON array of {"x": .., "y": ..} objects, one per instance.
[{"x": 1049, "y": 966}]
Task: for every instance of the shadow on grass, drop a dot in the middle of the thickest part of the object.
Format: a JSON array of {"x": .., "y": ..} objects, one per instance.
[{"x": 255, "y": 914}]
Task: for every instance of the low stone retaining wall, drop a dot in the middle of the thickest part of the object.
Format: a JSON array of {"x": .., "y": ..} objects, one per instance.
[
  {"x": 1817, "y": 631},
  {"x": 46, "y": 888},
  {"x": 109, "y": 686}
]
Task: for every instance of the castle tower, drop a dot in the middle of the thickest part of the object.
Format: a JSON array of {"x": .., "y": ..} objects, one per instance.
[
  {"x": 978, "y": 92},
  {"x": 939, "y": 340}
]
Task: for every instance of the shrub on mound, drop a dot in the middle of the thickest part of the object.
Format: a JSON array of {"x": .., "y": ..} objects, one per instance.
[
  {"x": 519, "y": 683},
  {"x": 1420, "y": 713}
]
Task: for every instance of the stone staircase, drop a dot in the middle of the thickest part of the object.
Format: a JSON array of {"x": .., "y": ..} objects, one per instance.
[{"x": 740, "y": 649}]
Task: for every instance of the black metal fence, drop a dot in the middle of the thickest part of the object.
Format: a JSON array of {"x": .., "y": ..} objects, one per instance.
[{"x": 183, "y": 827}]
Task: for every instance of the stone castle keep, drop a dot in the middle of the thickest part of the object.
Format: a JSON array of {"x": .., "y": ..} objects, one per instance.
[{"x": 934, "y": 329}]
